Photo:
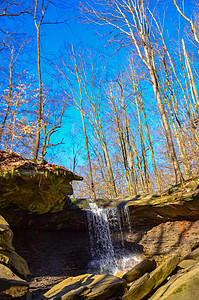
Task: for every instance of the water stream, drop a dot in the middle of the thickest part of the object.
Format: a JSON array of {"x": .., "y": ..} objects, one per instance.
[{"x": 107, "y": 244}]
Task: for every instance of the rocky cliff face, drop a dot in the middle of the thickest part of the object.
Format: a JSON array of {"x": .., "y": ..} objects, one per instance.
[
  {"x": 13, "y": 268},
  {"x": 162, "y": 225},
  {"x": 33, "y": 186},
  {"x": 167, "y": 223},
  {"x": 178, "y": 203},
  {"x": 50, "y": 231}
]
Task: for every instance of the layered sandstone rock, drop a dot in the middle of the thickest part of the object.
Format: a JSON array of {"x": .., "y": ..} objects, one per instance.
[
  {"x": 34, "y": 186},
  {"x": 11, "y": 286},
  {"x": 174, "y": 279},
  {"x": 12, "y": 267},
  {"x": 164, "y": 239},
  {"x": 184, "y": 285},
  {"x": 149, "y": 282},
  {"x": 87, "y": 286},
  {"x": 139, "y": 270},
  {"x": 8, "y": 256},
  {"x": 169, "y": 281},
  {"x": 178, "y": 203}
]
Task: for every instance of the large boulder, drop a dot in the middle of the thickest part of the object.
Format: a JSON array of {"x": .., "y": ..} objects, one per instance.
[
  {"x": 182, "y": 286},
  {"x": 140, "y": 269},
  {"x": 140, "y": 288},
  {"x": 164, "y": 270},
  {"x": 149, "y": 282},
  {"x": 8, "y": 256},
  {"x": 33, "y": 185},
  {"x": 11, "y": 286},
  {"x": 88, "y": 286}
]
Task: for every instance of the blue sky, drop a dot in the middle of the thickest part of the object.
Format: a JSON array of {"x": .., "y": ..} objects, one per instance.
[{"x": 56, "y": 38}]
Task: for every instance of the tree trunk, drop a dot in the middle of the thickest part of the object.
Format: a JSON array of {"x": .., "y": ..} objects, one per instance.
[
  {"x": 8, "y": 103},
  {"x": 39, "y": 113},
  {"x": 176, "y": 167}
]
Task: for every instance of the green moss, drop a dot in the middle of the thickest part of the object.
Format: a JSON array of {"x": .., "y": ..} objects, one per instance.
[
  {"x": 180, "y": 289},
  {"x": 38, "y": 194},
  {"x": 81, "y": 203}
]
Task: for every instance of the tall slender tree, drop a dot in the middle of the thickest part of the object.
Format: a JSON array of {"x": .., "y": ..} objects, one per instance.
[
  {"x": 130, "y": 19},
  {"x": 39, "y": 13}
]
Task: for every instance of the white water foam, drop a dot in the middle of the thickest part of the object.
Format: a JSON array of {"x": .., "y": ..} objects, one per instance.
[{"x": 105, "y": 225}]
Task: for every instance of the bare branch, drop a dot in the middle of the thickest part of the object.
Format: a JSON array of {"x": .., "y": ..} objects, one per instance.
[{"x": 193, "y": 28}]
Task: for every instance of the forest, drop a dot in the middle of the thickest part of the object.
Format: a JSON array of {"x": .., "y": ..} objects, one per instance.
[{"x": 123, "y": 112}]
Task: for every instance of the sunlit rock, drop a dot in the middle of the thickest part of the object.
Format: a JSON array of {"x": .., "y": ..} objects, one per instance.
[
  {"x": 11, "y": 286},
  {"x": 88, "y": 286},
  {"x": 181, "y": 286},
  {"x": 140, "y": 269},
  {"x": 35, "y": 186},
  {"x": 149, "y": 282}
]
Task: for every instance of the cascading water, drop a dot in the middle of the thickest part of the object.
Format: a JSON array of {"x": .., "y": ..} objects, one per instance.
[{"x": 107, "y": 244}]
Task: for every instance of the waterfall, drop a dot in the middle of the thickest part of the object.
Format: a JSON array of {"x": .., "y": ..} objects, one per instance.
[{"x": 107, "y": 244}]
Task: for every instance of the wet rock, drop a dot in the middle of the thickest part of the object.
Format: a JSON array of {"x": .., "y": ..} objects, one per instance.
[
  {"x": 120, "y": 274},
  {"x": 140, "y": 269},
  {"x": 86, "y": 286},
  {"x": 11, "y": 286}
]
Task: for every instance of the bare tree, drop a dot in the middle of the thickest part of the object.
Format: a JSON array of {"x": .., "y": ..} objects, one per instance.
[
  {"x": 128, "y": 134},
  {"x": 20, "y": 128},
  {"x": 53, "y": 109},
  {"x": 11, "y": 9},
  {"x": 76, "y": 148},
  {"x": 87, "y": 91},
  {"x": 138, "y": 99},
  {"x": 39, "y": 13},
  {"x": 40, "y": 10},
  {"x": 12, "y": 81},
  {"x": 129, "y": 18},
  {"x": 190, "y": 21},
  {"x": 117, "y": 104},
  {"x": 77, "y": 97}
]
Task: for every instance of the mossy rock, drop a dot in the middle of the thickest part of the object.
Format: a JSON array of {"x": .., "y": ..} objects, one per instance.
[
  {"x": 181, "y": 286},
  {"x": 187, "y": 263},
  {"x": 15, "y": 262},
  {"x": 35, "y": 194},
  {"x": 80, "y": 203},
  {"x": 34, "y": 186},
  {"x": 140, "y": 288},
  {"x": 149, "y": 282}
]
